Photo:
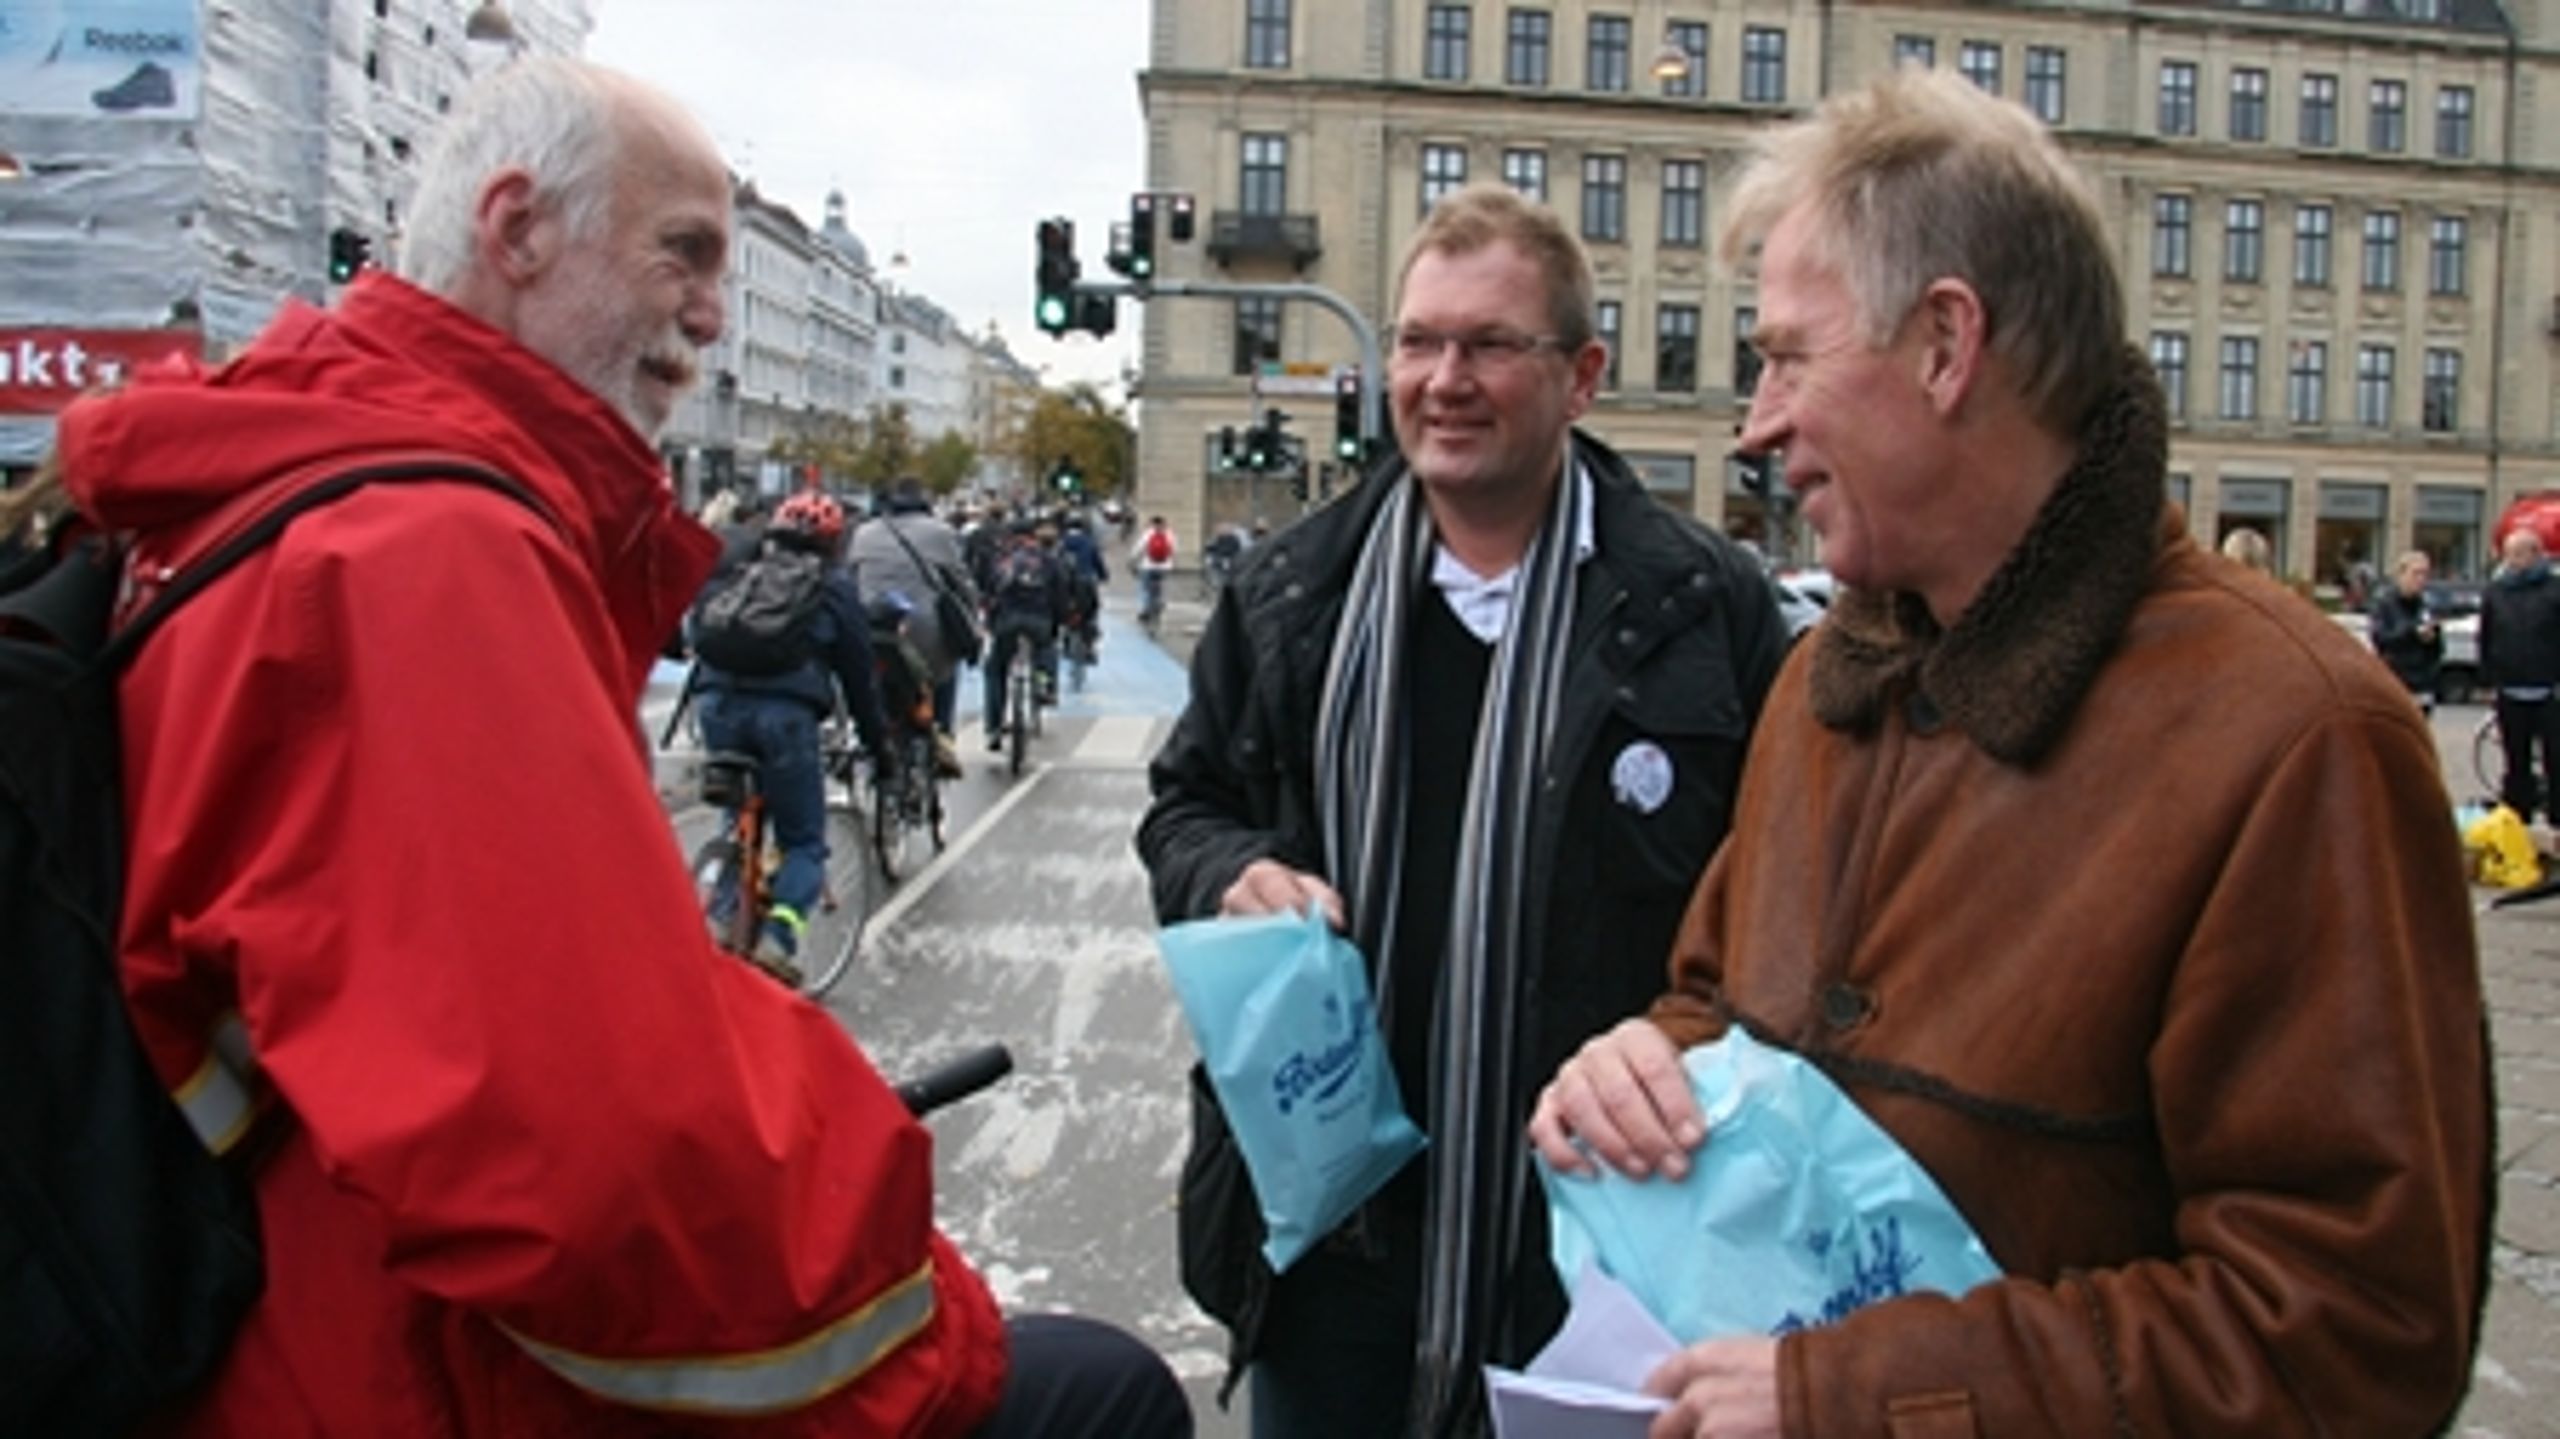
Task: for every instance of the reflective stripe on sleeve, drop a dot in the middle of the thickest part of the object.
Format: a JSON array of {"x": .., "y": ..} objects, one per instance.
[
  {"x": 217, "y": 1099},
  {"x": 758, "y": 1383}
]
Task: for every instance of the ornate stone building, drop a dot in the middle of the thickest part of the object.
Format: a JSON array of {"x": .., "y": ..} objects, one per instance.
[{"x": 2338, "y": 222}]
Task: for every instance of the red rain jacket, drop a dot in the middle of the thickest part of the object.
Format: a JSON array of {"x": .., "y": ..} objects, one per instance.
[{"x": 404, "y": 914}]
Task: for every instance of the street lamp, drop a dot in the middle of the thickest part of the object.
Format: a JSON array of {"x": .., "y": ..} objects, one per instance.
[
  {"x": 489, "y": 22},
  {"x": 1672, "y": 60}
]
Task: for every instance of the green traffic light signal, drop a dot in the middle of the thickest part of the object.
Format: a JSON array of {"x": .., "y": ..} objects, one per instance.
[{"x": 1052, "y": 313}]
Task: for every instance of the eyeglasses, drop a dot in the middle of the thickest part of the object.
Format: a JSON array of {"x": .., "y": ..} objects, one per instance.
[{"x": 1420, "y": 348}]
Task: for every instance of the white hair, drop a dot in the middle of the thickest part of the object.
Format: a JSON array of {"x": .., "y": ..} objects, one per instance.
[{"x": 549, "y": 117}]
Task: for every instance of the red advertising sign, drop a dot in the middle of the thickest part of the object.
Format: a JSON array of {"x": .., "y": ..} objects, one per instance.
[{"x": 42, "y": 370}]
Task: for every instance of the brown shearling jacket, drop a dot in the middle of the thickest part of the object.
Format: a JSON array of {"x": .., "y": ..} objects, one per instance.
[{"x": 2132, "y": 907}]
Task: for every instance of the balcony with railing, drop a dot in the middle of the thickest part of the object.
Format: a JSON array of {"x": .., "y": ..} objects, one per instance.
[{"x": 1241, "y": 236}]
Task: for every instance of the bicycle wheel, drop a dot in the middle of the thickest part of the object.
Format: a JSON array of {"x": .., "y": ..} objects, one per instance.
[
  {"x": 2489, "y": 757},
  {"x": 715, "y": 889},
  {"x": 834, "y": 936},
  {"x": 898, "y": 809},
  {"x": 1018, "y": 698}
]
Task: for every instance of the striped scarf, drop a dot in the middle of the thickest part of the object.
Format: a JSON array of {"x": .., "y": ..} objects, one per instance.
[{"x": 1479, "y": 1172}]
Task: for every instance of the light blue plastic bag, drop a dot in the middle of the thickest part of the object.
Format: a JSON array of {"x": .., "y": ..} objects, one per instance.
[
  {"x": 1795, "y": 1212},
  {"x": 1279, "y": 1005}
]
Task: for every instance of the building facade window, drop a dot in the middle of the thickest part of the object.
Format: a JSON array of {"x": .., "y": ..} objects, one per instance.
[
  {"x": 1257, "y": 332},
  {"x": 2373, "y": 386},
  {"x": 1266, "y": 34},
  {"x": 2440, "y": 403},
  {"x": 2046, "y": 98},
  {"x": 1524, "y": 55},
  {"x": 1979, "y": 61},
  {"x": 1263, "y": 177},
  {"x": 1920, "y": 50},
  {"x": 1262, "y": 184},
  {"x": 1746, "y": 356},
  {"x": 2306, "y": 383},
  {"x": 2448, "y": 256},
  {"x": 1608, "y": 323},
  {"x": 2248, "y": 103},
  {"x": 2382, "y": 250},
  {"x": 2239, "y": 377},
  {"x": 2387, "y": 117},
  {"x": 2319, "y": 126},
  {"x": 2172, "y": 223},
  {"x": 1675, "y": 349},
  {"x": 1444, "y": 173},
  {"x": 1526, "y": 172},
  {"x": 1684, "y": 202},
  {"x": 2311, "y": 246},
  {"x": 1689, "y": 37},
  {"x": 2177, "y": 97},
  {"x": 2244, "y": 241},
  {"x": 2169, "y": 361},
  {"x": 2453, "y": 122},
  {"x": 1604, "y": 198},
  {"x": 1764, "y": 65},
  {"x": 1605, "y": 58},
  {"x": 1447, "y": 35}
]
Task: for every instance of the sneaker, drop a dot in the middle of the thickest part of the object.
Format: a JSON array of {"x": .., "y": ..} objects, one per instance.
[
  {"x": 774, "y": 955},
  {"x": 946, "y": 757},
  {"x": 147, "y": 88},
  {"x": 995, "y": 741}
]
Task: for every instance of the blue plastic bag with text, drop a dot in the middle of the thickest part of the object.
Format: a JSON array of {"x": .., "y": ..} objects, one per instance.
[
  {"x": 1279, "y": 1005},
  {"x": 1797, "y": 1210}
]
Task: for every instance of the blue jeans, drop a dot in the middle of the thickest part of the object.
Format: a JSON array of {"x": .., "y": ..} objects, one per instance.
[
  {"x": 782, "y": 734},
  {"x": 1000, "y": 646}
]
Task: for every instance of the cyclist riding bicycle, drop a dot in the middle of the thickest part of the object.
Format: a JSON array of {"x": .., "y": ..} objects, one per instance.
[
  {"x": 1026, "y": 602},
  {"x": 774, "y": 717},
  {"x": 1153, "y": 557},
  {"x": 906, "y": 677}
]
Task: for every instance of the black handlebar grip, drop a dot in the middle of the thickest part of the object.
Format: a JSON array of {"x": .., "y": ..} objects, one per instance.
[{"x": 958, "y": 1079}]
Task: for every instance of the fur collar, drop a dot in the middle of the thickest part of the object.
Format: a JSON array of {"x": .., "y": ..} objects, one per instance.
[{"x": 2014, "y": 666}]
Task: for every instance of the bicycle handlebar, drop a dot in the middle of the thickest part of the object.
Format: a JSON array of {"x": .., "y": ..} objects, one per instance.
[{"x": 956, "y": 1079}]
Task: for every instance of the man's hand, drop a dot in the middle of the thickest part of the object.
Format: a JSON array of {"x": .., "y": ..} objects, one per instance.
[
  {"x": 1625, "y": 1098},
  {"x": 1720, "y": 1389},
  {"x": 1269, "y": 887}
]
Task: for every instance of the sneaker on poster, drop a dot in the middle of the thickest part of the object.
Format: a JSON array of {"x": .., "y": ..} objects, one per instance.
[{"x": 147, "y": 88}]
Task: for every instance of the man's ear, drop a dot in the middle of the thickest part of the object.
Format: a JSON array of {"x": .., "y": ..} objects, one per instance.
[
  {"x": 1953, "y": 333},
  {"x": 516, "y": 237}
]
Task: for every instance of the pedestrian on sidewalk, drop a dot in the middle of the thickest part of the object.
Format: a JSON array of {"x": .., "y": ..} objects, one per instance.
[
  {"x": 2406, "y": 633},
  {"x": 2520, "y": 663},
  {"x": 531, "y": 1155},
  {"x": 2118, "y": 896}
]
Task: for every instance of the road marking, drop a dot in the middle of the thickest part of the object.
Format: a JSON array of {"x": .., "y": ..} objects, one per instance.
[
  {"x": 1116, "y": 740},
  {"x": 915, "y": 888}
]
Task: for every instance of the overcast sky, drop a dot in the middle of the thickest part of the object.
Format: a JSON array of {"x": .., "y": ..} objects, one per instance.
[{"x": 952, "y": 126}]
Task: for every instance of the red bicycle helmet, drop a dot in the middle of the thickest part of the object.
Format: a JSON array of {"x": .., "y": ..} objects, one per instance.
[{"x": 811, "y": 513}]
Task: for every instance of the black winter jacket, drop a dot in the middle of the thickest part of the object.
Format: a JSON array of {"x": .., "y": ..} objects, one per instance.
[
  {"x": 2520, "y": 629},
  {"x": 2418, "y": 659},
  {"x": 1676, "y": 640}
]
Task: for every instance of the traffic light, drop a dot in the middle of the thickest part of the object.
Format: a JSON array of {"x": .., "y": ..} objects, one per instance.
[
  {"x": 1097, "y": 314},
  {"x": 1178, "y": 227},
  {"x": 1757, "y": 470},
  {"x": 1227, "y": 444},
  {"x": 1349, "y": 445},
  {"x": 1142, "y": 237},
  {"x": 1054, "y": 307},
  {"x": 1066, "y": 479},
  {"x": 349, "y": 253},
  {"x": 1262, "y": 448}
]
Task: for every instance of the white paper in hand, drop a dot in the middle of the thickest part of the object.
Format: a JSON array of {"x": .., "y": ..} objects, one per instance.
[{"x": 1588, "y": 1382}]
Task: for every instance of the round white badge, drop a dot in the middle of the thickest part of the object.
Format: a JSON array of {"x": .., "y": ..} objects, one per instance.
[{"x": 1642, "y": 776}]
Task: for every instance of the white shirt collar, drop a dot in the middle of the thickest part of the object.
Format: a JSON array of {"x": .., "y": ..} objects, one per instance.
[{"x": 1483, "y": 604}]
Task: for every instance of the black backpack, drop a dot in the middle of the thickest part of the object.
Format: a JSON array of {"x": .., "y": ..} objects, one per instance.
[
  {"x": 128, "y": 1253},
  {"x": 759, "y": 621}
]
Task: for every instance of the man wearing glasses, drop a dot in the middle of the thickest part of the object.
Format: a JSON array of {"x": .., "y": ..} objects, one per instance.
[{"x": 1487, "y": 710}]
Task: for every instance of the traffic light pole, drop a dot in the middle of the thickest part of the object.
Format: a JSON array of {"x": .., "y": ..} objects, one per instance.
[{"x": 1371, "y": 427}]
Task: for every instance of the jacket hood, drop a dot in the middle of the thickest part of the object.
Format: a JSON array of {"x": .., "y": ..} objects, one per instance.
[
  {"x": 2015, "y": 665},
  {"x": 392, "y": 368}
]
